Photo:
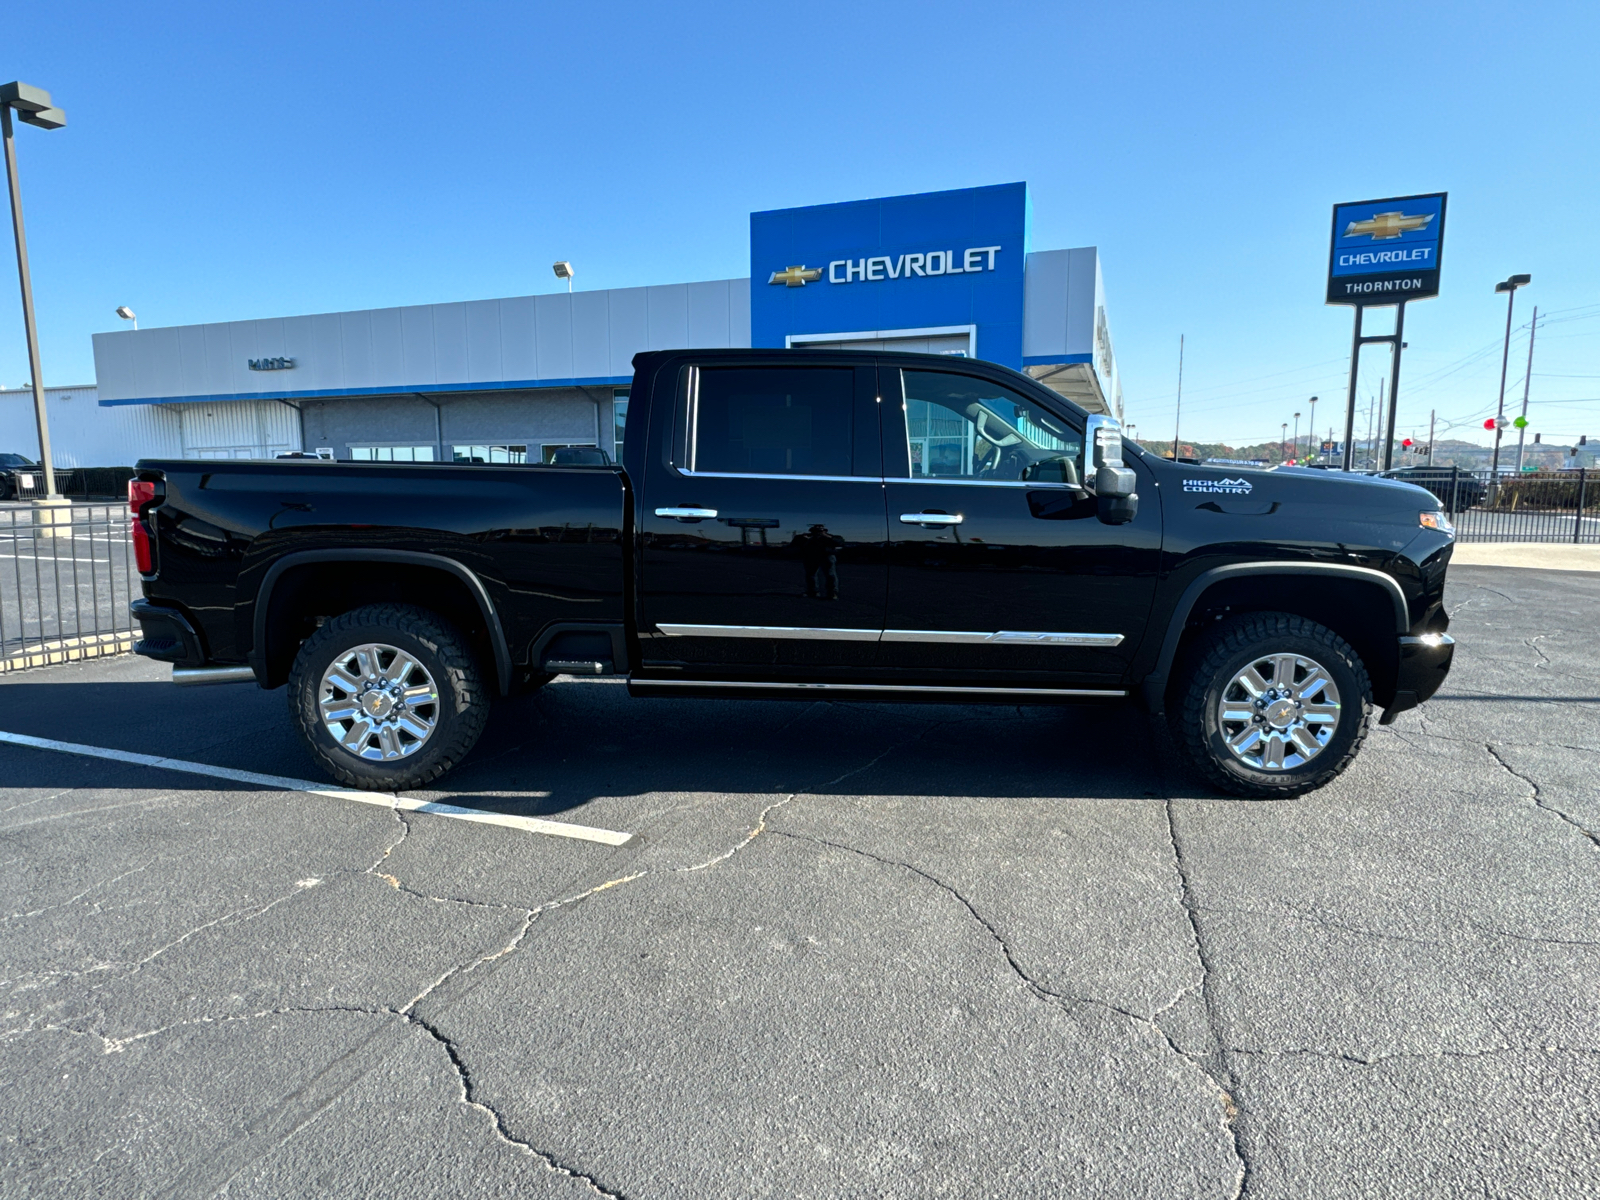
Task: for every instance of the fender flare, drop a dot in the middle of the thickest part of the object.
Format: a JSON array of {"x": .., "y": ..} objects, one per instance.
[
  {"x": 1155, "y": 684},
  {"x": 414, "y": 558}
]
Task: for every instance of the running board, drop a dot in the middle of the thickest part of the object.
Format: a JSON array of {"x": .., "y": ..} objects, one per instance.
[{"x": 905, "y": 688}]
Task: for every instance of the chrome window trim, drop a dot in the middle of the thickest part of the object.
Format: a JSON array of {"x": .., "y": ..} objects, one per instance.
[
  {"x": 1004, "y": 637},
  {"x": 780, "y": 632},
  {"x": 996, "y": 483},
  {"x": 875, "y": 687}
]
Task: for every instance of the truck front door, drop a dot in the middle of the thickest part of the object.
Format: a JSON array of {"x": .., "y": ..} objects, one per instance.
[
  {"x": 1000, "y": 571},
  {"x": 764, "y": 525}
]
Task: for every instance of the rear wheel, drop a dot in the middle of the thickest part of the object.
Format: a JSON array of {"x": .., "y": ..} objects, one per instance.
[
  {"x": 1273, "y": 705},
  {"x": 387, "y": 697}
]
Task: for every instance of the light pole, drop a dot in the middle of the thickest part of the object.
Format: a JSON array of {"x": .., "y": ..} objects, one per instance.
[
  {"x": 1509, "y": 287},
  {"x": 1297, "y": 437},
  {"x": 1311, "y": 427},
  {"x": 127, "y": 314},
  {"x": 1283, "y": 443},
  {"x": 34, "y": 108},
  {"x": 563, "y": 270}
]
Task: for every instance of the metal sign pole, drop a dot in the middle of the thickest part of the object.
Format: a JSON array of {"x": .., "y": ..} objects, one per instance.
[
  {"x": 1350, "y": 404},
  {"x": 1394, "y": 383}
]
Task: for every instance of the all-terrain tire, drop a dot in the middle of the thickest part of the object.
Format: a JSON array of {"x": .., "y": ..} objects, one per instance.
[
  {"x": 458, "y": 714},
  {"x": 1195, "y": 712}
]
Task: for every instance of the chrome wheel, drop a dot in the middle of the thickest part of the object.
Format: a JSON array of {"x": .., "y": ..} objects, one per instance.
[
  {"x": 1278, "y": 712},
  {"x": 378, "y": 702}
]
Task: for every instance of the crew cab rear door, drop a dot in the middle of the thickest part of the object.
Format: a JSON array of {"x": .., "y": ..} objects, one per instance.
[
  {"x": 763, "y": 522},
  {"x": 1000, "y": 570}
]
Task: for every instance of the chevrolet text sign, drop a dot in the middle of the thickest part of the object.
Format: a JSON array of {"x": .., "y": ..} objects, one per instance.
[
  {"x": 1386, "y": 251},
  {"x": 932, "y": 260}
]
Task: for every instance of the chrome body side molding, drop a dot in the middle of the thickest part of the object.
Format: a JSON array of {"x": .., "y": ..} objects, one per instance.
[
  {"x": 785, "y": 632},
  {"x": 1005, "y": 637}
]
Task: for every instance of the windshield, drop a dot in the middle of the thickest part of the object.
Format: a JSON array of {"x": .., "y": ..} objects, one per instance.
[{"x": 15, "y": 460}]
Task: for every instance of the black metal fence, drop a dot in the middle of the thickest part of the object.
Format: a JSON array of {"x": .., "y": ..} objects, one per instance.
[
  {"x": 1547, "y": 506},
  {"x": 78, "y": 483},
  {"x": 67, "y": 576}
]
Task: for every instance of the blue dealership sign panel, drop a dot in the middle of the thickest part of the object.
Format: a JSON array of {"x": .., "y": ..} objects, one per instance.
[
  {"x": 937, "y": 260},
  {"x": 1386, "y": 251}
]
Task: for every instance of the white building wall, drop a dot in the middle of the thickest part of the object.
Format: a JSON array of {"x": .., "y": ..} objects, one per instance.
[
  {"x": 83, "y": 434},
  {"x": 247, "y": 429},
  {"x": 587, "y": 338}
]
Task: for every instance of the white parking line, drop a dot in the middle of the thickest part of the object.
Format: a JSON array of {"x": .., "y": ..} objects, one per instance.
[{"x": 583, "y": 833}]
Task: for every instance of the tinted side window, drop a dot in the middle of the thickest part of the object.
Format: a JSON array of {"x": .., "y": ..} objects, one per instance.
[
  {"x": 773, "y": 420},
  {"x": 963, "y": 427}
]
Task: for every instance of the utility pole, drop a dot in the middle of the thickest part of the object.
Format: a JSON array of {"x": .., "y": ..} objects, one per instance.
[
  {"x": 1527, "y": 380},
  {"x": 1177, "y": 415},
  {"x": 1433, "y": 415}
]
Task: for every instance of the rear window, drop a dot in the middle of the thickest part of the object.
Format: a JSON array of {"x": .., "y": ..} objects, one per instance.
[{"x": 772, "y": 420}]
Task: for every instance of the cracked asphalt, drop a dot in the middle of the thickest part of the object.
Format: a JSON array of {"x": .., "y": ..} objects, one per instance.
[{"x": 856, "y": 951}]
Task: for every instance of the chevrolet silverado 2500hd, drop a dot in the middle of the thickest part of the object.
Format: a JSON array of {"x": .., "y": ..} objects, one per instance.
[{"x": 808, "y": 523}]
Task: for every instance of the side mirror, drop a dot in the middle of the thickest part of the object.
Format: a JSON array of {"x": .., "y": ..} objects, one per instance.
[{"x": 1113, "y": 481}]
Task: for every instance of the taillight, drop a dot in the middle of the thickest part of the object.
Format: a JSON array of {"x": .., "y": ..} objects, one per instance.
[{"x": 140, "y": 493}]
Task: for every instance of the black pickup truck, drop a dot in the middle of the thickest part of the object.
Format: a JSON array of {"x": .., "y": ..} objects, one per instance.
[{"x": 807, "y": 523}]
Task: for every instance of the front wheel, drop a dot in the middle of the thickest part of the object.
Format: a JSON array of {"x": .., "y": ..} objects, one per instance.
[
  {"x": 387, "y": 697},
  {"x": 1273, "y": 705}
]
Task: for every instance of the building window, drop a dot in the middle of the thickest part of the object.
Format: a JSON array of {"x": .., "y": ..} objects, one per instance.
[
  {"x": 548, "y": 450},
  {"x": 504, "y": 454},
  {"x": 619, "y": 419},
  {"x": 391, "y": 453}
]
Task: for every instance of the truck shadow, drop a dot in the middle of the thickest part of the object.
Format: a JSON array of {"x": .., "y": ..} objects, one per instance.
[
  {"x": 572, "y": 744},
  {"x": 576, "y": 745}
]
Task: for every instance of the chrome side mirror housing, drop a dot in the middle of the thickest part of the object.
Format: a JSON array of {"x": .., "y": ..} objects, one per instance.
[{"x": 1111, "y": 480}]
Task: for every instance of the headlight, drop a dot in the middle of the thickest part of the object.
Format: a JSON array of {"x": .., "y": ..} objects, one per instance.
[{"x": 1435, "y": 520}]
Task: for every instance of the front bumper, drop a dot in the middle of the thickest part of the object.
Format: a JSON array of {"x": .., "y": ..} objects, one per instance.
[{"x": 1424, "y": 662}]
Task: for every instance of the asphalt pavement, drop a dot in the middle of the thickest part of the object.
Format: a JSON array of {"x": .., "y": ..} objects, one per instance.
[{"x": 850, "y": 950}]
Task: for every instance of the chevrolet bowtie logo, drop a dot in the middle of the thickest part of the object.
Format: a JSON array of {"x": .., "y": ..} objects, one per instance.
[
  {"x": 1383, "y": 226},
  {"x": 796, "y": 276}
]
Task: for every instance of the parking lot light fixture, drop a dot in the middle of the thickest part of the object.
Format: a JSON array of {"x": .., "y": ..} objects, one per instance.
[
  {"x": 564, "y": 270},
  {"x": 1509, "y": 287},
  {"x": 127, "y": 314},
  {"x": 33, "y": 106}
]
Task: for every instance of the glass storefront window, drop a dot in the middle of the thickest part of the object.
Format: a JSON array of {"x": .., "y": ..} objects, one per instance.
[
  {"x": 619, "y": 419},
  {"x": 490, "y": 454},
  {"x": 391, "y": 453}
]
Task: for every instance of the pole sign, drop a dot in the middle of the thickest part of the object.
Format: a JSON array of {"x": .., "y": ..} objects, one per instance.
[{"x": 1386, "y": 251}]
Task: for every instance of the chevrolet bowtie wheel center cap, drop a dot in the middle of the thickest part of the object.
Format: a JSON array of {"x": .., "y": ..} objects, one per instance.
[
  {"x": 378, "y": 702},
  {"x": 1278, "y": 712}
]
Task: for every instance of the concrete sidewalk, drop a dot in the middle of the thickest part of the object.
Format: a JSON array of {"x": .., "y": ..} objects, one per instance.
[{"x": 1547, "y": 556}]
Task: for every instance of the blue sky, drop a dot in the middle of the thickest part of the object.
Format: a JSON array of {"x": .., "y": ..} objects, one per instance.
[{"x": 232, "y": 161}]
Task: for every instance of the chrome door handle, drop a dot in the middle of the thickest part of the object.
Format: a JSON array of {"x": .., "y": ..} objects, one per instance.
[
  {"x": 687, "y": 514},
  {"x": 930, "y": 518}
]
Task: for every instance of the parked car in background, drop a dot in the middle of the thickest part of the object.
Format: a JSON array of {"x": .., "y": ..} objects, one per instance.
[
  {"x": 8, "y": 464},
  {"x": 1456, "y": 489}
]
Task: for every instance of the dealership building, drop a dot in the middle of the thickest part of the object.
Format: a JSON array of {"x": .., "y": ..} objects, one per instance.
[{"x": 512, "y": 380}]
